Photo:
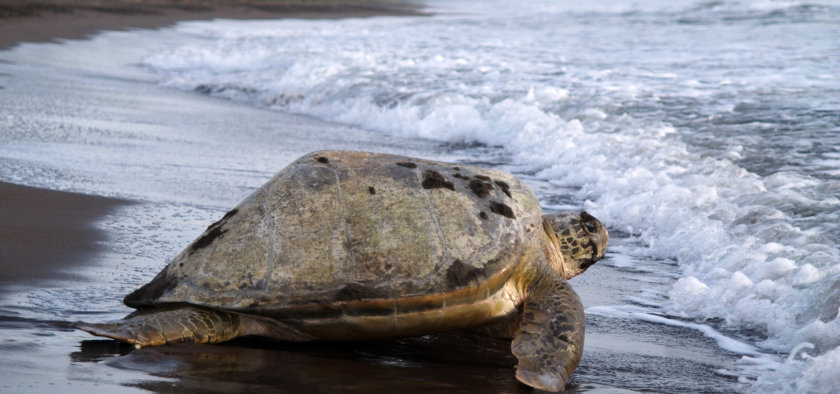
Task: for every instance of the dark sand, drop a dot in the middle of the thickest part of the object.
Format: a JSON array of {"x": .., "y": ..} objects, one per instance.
[
  {"x": 47, "y": 20},
  {"x": 45, "y": 233}
]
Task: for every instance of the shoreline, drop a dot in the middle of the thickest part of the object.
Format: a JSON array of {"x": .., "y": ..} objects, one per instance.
[
  {"x": 45, "y": 234},
  {"x": 50, "y": 20}
]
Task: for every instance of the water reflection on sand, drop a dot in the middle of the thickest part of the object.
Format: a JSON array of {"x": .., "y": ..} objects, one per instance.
[{"x": 452, "y": 362}]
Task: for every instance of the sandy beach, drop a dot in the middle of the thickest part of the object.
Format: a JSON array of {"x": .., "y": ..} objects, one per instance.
[
  {"x": 39, "y": 21},
  {"x": 47, "y": 235}
]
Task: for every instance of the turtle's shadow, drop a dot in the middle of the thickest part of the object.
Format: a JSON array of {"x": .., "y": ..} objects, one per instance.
[
  {"x": 95, "y": 350},
  {"x": 451, "y": 362}
]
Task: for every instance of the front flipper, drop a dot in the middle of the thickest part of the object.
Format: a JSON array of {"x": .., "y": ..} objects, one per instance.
[
  {"x": 550, "y": 340},
  {"x": 188, "y": 324}
]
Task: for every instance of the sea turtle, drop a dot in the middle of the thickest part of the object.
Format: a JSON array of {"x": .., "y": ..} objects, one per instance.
[{"x": 352, "y": 245}]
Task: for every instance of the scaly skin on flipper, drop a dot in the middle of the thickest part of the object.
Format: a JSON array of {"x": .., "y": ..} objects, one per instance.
[
  {"x": 188, "y": 324},
  {"x": 549, "y": 343}
]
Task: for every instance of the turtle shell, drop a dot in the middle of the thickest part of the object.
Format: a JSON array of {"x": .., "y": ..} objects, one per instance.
[{"x": 338, "y": 226}]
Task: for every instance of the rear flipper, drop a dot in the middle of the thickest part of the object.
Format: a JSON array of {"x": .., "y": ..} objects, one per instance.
[
  {"x": 550, "y": 340},
  {"x": 188, "y": 324}
]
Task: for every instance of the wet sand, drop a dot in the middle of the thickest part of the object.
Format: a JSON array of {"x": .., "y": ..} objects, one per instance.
[
  {"x": 48, "y": 20},
  {"x": 46, "y": 355},
  {"x": 45, "y": 234}
]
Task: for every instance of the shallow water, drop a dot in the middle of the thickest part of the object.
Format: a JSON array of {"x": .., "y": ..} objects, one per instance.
[{"x": 705, "y": 134}]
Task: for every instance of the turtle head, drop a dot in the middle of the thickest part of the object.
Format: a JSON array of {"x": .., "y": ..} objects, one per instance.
[{"x": 581, "y": 238}]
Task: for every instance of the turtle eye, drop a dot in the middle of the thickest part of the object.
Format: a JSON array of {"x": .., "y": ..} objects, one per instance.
[{"x": 590, "y": 226}]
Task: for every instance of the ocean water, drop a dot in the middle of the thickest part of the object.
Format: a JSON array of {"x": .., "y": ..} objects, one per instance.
[{"x": 705, "y": 133}]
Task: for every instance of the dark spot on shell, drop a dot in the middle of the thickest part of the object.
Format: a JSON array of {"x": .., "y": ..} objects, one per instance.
[
  {"x": 433, "y": 180},
  {"x": 505, "y": 187},
  {"x": 484, "y": 178},
  {"x": 150, "y": 292},
  {"x": 407, "y": 164},
  {"x": 483, "y": 215},
  {"x": 371, "y": 190},
  {"x": 459, "y": 176},
  {"x": 501, "y": 209},
  {"x": 213, "y": 231},
  {"x": 460, "y": 274},
  {"x": 207, "y": 238},
  {"x": 481, "y": 189},
  {"x": 323, "y": 159},
  {"x": 357, "y": 291},
  {"x": 229, "y": 214}
]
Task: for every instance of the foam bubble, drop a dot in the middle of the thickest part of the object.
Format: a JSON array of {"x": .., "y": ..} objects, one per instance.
[{"x": 807, "y": 274}]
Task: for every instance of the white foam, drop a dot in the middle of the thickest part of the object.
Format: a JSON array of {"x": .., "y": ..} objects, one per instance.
[{"x": 803, "y": 373}]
